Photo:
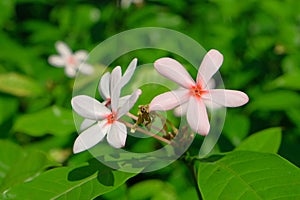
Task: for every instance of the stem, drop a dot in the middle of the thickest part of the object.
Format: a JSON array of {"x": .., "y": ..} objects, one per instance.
[
  {"x": 194, "y": 175},
  {"x": 132, "y": 116},
  {"x": 146, "y": 132}
]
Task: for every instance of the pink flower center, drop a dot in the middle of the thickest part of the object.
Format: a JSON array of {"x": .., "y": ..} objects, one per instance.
[
  {"x": 71, "y": 60},
  {"x": 111, "y": 118},
  {"x": 108, "y": 102},
  {"x": 197, "y": 91}
]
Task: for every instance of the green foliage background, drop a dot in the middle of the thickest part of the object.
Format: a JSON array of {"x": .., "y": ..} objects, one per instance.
[{"x": 260, "y": 41}]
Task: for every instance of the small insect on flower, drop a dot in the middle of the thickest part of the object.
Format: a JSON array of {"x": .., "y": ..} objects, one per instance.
[
  {"x": 72, "y": 63},
  {"x": 144, "y": 117}
]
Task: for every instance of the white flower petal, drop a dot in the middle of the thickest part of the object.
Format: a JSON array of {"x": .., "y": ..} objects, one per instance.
[
  {"x": 211, "y": 84},
  {"x": 210, "y": 64},
  {"x": 115, "y": 96},
  {"x": 116, "y": 137},
  {"x": 123, "y": 100},
  {"x": 86, "y": 123},
  {"x": 129, "y": 103},
  {"x": 86, "y": 68},
  {"x": 104, "y": 86},
  {"x": 197, "y": 116},
  {"x": 70, "y": 71},
  {"x": 227, "y": 98},
  {"x": 210, "y": 104},
  {"x": 81, "y": 55},
  {"x": 115, "y": 77},
  {"x": 89, "y": 107},
  {"x": 169, "y": 100},
  {"x": 56, "y": 61},
  {"x": 181, "y": 110},
  {"x": 88, "y": 138},
  {"x": 129, "y": 72},
  {"x": 174, "y": 71},
  {"x": 63, "y": 49}
]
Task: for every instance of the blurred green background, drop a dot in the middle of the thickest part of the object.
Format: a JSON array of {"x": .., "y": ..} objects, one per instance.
[{"x": 260, "y": 41}]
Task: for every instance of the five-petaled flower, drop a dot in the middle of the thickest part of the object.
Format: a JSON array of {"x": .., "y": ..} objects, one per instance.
[
  {"x": 72, "y": 62},
  {"x": 106, "y": 84},
  {"x": 193, "y": 96},
  {"x": 107, "y": 119}
]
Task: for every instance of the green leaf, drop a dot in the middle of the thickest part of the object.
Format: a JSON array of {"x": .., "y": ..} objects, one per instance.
[
  {"x": 9, "y": 153},
  {"x": 237, "y": 128},
  {"x": 81, "y": 182},
  {"x": 17, "y": 165},
  {"x": 278, "y": 100},
  {"x": 266, "y": 141},
  {"x": 288, "y": 81},
  {"x": 53, "y": 120},
  {"x": 19, "y": 85},
  {"x": 248, "y": 175},
  {"x": 7, "y": 10},
  {"x": 159, "y": 190},
  {"x": 8, "y": 107}
]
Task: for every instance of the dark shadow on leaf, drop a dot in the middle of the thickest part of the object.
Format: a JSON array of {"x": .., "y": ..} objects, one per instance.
[
  {"x": 85, "y": 171},
  {"x": 105, "y": 173},
  {"x": 106, "y": 176}
]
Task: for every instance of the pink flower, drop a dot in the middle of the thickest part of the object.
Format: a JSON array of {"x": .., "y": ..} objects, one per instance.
[
  {"x": 71, "y": 62},
  {"x": 193, "y": 97},
  {"x": 107, "y": 120}
]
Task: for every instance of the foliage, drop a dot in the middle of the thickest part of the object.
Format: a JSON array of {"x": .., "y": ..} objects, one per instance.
[{"x": 256, "y": 156}]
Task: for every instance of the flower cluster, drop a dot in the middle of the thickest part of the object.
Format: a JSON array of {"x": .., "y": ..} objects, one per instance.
[{"x": 190, "y": 100}]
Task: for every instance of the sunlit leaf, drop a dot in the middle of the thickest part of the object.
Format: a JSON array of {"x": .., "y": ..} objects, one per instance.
[
  {"x": 18, "y": 165},
  {"x": 19, "y": 85},
  {"x": 267, "y": 140},
  {"x": 53, "y": 120},
  {"x": 85, "y": 181},
  {"x": 248, "y": 175}
]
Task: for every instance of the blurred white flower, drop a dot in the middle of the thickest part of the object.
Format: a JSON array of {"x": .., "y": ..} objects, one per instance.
[{"x": 72, "y": 63}]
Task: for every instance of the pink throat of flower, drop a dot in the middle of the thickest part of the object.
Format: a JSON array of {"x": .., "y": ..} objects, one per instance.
[
  {"x": 71, "y": 60},
  {"x": 197, "y": 91},
  {"x": 108, "y": 102},
  {"x": 111, "y": 118}
]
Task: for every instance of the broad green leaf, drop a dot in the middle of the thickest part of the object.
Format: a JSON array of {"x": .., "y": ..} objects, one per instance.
[
  {"x": 9, "y": 154},
  {"x": 19, "y": 85},
  {"x": 277, "y": 100},
  {"x": 81, "y": 182},
  {"x": 266, "y": 141},
  {"x": 18, "y": 165},
  {"x": 151, "y": 189},
  {"x": 53, "y": 120},
  {"x": 288, "y": 81},
  {"x": 248, "y": 175}
]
